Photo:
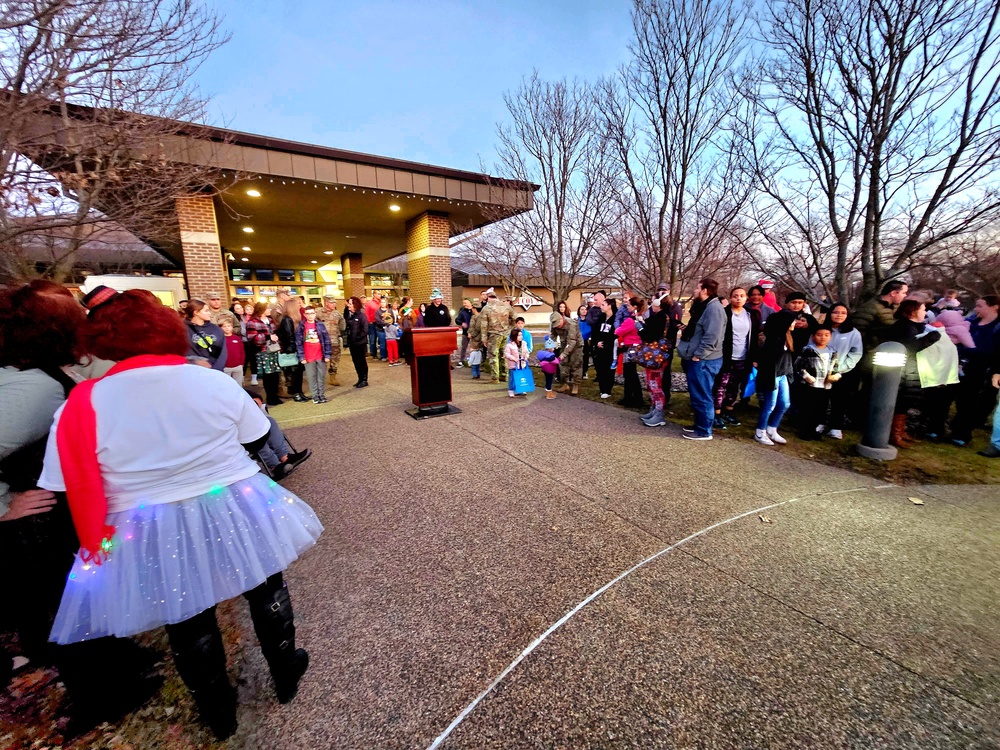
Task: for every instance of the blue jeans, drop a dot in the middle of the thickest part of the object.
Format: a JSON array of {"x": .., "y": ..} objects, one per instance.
[
  {"x": 774, "y": 404},
  {"x": 382, "y": 352},
  {"x": 475, "y": 370},
  {"x": 995, "y": 437},
  {"x": 701, "y": 382},
  {"x": 372, "y": 340}
]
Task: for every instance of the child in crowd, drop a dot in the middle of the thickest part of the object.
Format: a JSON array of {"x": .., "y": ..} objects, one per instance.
[
  {"x": 392, "y": 334},
  {"x": 475, "y": 360},
  {"x": 314, "y": 349},
  {"x": 516, "y": 355},
  {"x": 236, "y": 355},
  {"x": 815, "y": 373},
  {"x": 549, "y": 364},
  {"x": 525, "y": 334}
]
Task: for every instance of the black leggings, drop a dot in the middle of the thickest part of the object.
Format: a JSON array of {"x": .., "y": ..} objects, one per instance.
[
  {"x": 605, "y": 372},
  {"x": 359, "y": 355}
]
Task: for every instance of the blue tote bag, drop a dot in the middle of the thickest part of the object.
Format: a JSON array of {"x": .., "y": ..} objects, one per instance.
[{"x": 523, "y": 380}]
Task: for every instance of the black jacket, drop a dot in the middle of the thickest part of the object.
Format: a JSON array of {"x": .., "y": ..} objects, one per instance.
[
  {"x": 655, "y": 328},
  {"x": 437, "y": 316},
  {"x": 286, "y": 335},
  {"x": 357, "y": 328},
  {"x": 773, "y": 359},
  {"x": 727, "y": 341},
  {"x": 603, "y": 331}
]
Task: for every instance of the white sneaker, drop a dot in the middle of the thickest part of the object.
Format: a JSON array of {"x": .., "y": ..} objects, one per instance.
[
  {"x": 761, "y": 437},
  {"x": 772, "y": 432},
  {"x": 605, "y": 395},
  {"x": 836, "y": 434},
  {"x": 511, "y": 394},
  {"x": 459, "y": 365},
  {"x": 821, "y": 428},
  {"x": 253, "y": 380}
]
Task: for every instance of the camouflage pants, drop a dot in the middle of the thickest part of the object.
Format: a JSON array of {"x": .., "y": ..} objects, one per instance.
[
  {"x": 494, "y": 353},
  {"x": 571, "y": 366},
  {"x": 331, "y": 367}
]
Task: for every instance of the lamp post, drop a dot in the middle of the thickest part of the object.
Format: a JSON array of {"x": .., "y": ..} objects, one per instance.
[{"x": 889, "y": 360}]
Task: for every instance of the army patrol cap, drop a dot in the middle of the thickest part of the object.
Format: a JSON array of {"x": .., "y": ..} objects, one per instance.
[
  {"x": 555, "y": 317},
  {"x": 329, "y": 298},
  {"x": 213, "y": 295}
]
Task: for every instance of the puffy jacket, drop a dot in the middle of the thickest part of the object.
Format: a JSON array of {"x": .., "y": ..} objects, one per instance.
[
  {"x": 873, "y": 319},
  {"x": 357, "y": 328}
]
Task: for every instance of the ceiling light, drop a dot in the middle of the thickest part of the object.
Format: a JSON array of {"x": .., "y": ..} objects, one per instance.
[
  {"x": 314, "y": 261},
  {"x": 245, "y": 249},
  {"x": 393, "y": 207},
  {"x": 328, "y": 252},
  {"x": 253, "y": 193},
  {"x": 351, "y": 236},
  {"x": 244, "y": 259},
  {"x": 248, "y": 230}
]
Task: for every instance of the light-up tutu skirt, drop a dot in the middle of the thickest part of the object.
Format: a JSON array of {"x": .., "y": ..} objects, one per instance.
[{"x": 170, "y": 561}]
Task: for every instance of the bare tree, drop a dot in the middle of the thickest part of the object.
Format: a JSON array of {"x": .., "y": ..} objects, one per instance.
[
  {"x": 94, "y": 93},
  {"x": 552, "y": 140},
  {"x": 874, "y": 133},
  {"x": 666, "y": 116}
]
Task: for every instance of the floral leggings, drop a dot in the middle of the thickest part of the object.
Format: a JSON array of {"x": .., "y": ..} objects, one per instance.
[{"x": 654, "y": 381}]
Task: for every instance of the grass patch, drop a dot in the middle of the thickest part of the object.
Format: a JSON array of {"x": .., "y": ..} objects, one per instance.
[{"x": 924, "y": 463}]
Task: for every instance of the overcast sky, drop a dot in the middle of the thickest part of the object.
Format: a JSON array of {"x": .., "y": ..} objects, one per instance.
[{"x": 419, "y": 80}]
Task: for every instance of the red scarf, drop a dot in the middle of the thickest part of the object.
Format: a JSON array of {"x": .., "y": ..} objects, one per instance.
[{"x": 76, "y": 439}]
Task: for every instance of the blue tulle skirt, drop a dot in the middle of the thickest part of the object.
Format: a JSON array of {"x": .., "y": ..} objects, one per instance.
[{"x": 171, "y": 561}]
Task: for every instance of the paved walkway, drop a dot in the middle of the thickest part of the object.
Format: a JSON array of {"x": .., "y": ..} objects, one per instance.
[{"x": 454, "y": 599}]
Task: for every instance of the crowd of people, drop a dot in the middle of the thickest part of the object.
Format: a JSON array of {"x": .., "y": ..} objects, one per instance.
[
  {"x": 812, "y": 365},
  {"x": 125, "y": 517},
  {"x": 817, "y": 368}
]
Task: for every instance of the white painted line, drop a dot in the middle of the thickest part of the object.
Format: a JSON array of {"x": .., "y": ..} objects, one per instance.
[{"x": 566, "y": 617}]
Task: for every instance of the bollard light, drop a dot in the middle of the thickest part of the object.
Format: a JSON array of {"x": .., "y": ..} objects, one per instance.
[{"x": 889, "y": 360}]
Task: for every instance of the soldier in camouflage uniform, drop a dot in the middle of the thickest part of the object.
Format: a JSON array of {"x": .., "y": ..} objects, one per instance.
[
  {"x": 335, "y": 326},
  {"x": 219, "y": 313},
  {"x": 498, "y": 320},
  {"x": 567, "y": 331}
]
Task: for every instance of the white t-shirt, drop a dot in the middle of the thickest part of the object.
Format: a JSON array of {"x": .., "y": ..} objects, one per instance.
[
  {"x": 166, "y": 434},
  {"x": 741, "y": 335}
]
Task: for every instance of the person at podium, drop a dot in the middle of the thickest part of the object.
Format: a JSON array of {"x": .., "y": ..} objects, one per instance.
[{"x": 437, "y": 315}]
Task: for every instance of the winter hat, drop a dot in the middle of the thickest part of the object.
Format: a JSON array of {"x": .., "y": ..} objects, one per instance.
[
  {"x": 793, "y": 296},
  {"x": 550, "y": 343},
  {"x": 436, "y": 294},
  {"x": 98, "y": 296}
]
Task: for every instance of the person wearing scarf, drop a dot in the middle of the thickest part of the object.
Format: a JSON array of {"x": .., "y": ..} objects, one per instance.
[{"x": 172, "y": 515}]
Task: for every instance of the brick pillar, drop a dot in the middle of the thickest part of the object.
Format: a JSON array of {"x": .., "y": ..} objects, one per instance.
[
  {"x": 354, "y": 275},
  {"x": 203, "y": 264},
  {"x": 428, "y": 256}
]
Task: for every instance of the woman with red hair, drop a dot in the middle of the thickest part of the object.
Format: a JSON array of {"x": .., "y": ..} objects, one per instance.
[
  {"x": 172, "y": 515},
  {"x": 39, "y": 323}
]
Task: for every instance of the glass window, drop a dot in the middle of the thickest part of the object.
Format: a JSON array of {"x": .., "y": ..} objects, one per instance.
[
  {"x": 307, "y": 276},
  {"x": 265, "y": 274},
  {"x": 313, "y": 291},
  {"x": 244, "y": 291},
  {"x": 286, "y": 275},
  {"x": 240, "y": 274}
]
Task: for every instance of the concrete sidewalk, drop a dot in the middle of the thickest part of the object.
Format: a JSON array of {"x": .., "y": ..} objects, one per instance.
[{"x": 848, "y": 617}]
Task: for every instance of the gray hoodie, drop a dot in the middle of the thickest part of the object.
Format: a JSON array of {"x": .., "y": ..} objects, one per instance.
[{"x": 709, "y": 333}]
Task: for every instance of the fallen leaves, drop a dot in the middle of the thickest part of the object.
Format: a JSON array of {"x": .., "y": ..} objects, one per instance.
[
  {"x": 765, "y": 519},
  {"x": 916, "y": 501}
]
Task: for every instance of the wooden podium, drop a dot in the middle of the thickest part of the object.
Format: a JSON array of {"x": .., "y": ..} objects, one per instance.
[{"x": 430, "y": 371}]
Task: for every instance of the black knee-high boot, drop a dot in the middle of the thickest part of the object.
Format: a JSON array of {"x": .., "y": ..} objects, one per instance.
[
  {"x": 201, "y": 661},
  {"x": 271, "y": 611}
]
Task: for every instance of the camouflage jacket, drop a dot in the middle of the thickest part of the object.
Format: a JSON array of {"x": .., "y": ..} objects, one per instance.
[
  {"x": 569, "y": 337},
  {"x": 499, "y": 317},
  {"x": 334, "y": 322}
]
